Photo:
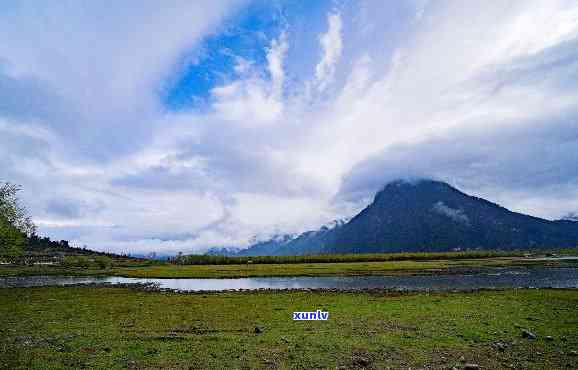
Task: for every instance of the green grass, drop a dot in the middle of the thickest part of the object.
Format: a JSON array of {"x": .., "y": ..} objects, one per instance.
[
  {"x": 167, "y": 270},
  {"x": 320, "y": 265},
  {"x": 120, "y": 328},
  {"x": 197, "y": 259},
  {"x": 318, "y": 269}
]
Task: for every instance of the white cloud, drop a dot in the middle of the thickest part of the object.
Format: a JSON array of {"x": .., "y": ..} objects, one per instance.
[
  {"x": 456, "y": 214},
  {"x": 91, "y": 69},
  {"x": 254, "y": 100},
  {"x": 332, "y": 46},
  {"x": 275, "y": 57}
]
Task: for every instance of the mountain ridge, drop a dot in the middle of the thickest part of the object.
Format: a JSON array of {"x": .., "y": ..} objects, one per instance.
[{"x": 426, "y": 216}]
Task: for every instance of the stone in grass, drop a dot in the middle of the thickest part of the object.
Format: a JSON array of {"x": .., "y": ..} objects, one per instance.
[
  {"x": 258, "y": 329},
  {"x": 361, "y": 361},
  {"x": 472, "y": 367},
  {"x": 501, "y": 346},
  {"x": 528, "y": 334},
  {"x": 549, "y": 338}
]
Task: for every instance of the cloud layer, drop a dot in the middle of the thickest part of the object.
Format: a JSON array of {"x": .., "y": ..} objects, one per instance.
[{"x": 482, "y": 95}]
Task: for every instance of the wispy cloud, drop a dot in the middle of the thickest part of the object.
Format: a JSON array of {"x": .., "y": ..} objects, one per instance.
[{"x": 332, "y": 45}]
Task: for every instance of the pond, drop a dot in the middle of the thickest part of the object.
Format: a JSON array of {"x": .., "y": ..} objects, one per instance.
[{"x": 500, "y": 278}]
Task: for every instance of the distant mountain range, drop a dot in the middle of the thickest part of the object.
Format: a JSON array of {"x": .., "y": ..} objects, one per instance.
[{"x": 424, "y": 215}]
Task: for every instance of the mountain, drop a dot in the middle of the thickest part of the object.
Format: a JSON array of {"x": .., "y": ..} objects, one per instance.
[
  {"x": 572, "y": 216},
  {"x": 310, "y": 242},
  {"x": 271, "y": 247},
  {"x": 427, "y": 215},
  {"x": 223, "y": 251},
  {"x": 430, "y": 215}
]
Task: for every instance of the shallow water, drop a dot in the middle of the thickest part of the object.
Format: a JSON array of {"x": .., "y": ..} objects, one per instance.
[{"x": 500, "y": 278}]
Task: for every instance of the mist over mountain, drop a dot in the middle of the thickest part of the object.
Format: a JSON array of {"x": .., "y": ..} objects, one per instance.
[
  {"x": 309, "y": 242},
  {"x": 426, "y": 215},
  {"x": 572, "y": 216}
]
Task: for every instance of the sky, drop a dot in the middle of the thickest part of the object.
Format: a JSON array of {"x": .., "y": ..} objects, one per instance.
[{"x": 139, "y": 127}]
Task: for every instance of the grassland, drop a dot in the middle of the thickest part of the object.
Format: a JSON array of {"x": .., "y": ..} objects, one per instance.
[
  {"x": 262, "y": 270},
  {"x": 349, "y": 267},
  {"x": 122, "y": 328},
  {"x": 199, "y": 259}
]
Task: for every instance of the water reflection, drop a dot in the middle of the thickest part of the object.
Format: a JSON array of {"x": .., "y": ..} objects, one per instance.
[{"x": 513, "y": 278}]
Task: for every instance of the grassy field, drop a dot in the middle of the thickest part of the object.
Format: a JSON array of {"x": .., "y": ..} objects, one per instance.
[
  {"x": 157, "y": 269},
  {"x": 200, "y": 259},
  {"x": 121, "y": 328}
]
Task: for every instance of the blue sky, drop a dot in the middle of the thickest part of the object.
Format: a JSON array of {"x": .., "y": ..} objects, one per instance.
[
  {"x": 179, "y": 128},
  {"x": 245, "y": 34}
]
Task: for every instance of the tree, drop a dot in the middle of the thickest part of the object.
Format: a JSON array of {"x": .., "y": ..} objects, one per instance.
[
  {"x": 15, "y": 223},
  {"x": 11, "y": 240},
  {"x": 13, "y": 211}
]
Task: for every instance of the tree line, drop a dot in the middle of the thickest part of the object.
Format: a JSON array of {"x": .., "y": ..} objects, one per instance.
[
  {"x": 18, "y": 232},
  {"x": 337, "y": 258}
]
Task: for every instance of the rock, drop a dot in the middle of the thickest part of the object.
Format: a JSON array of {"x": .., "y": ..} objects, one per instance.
[
  {"x": 258, "y": 330},
  {"x": 471, "y": 367},
  {"x": 549, "y": 338},
  {"x": 361, "y": 361},
  {"x": 501, "y": 346},
  {"x": 528, "y": 334},
  {"x": 573, "y": 353}
]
